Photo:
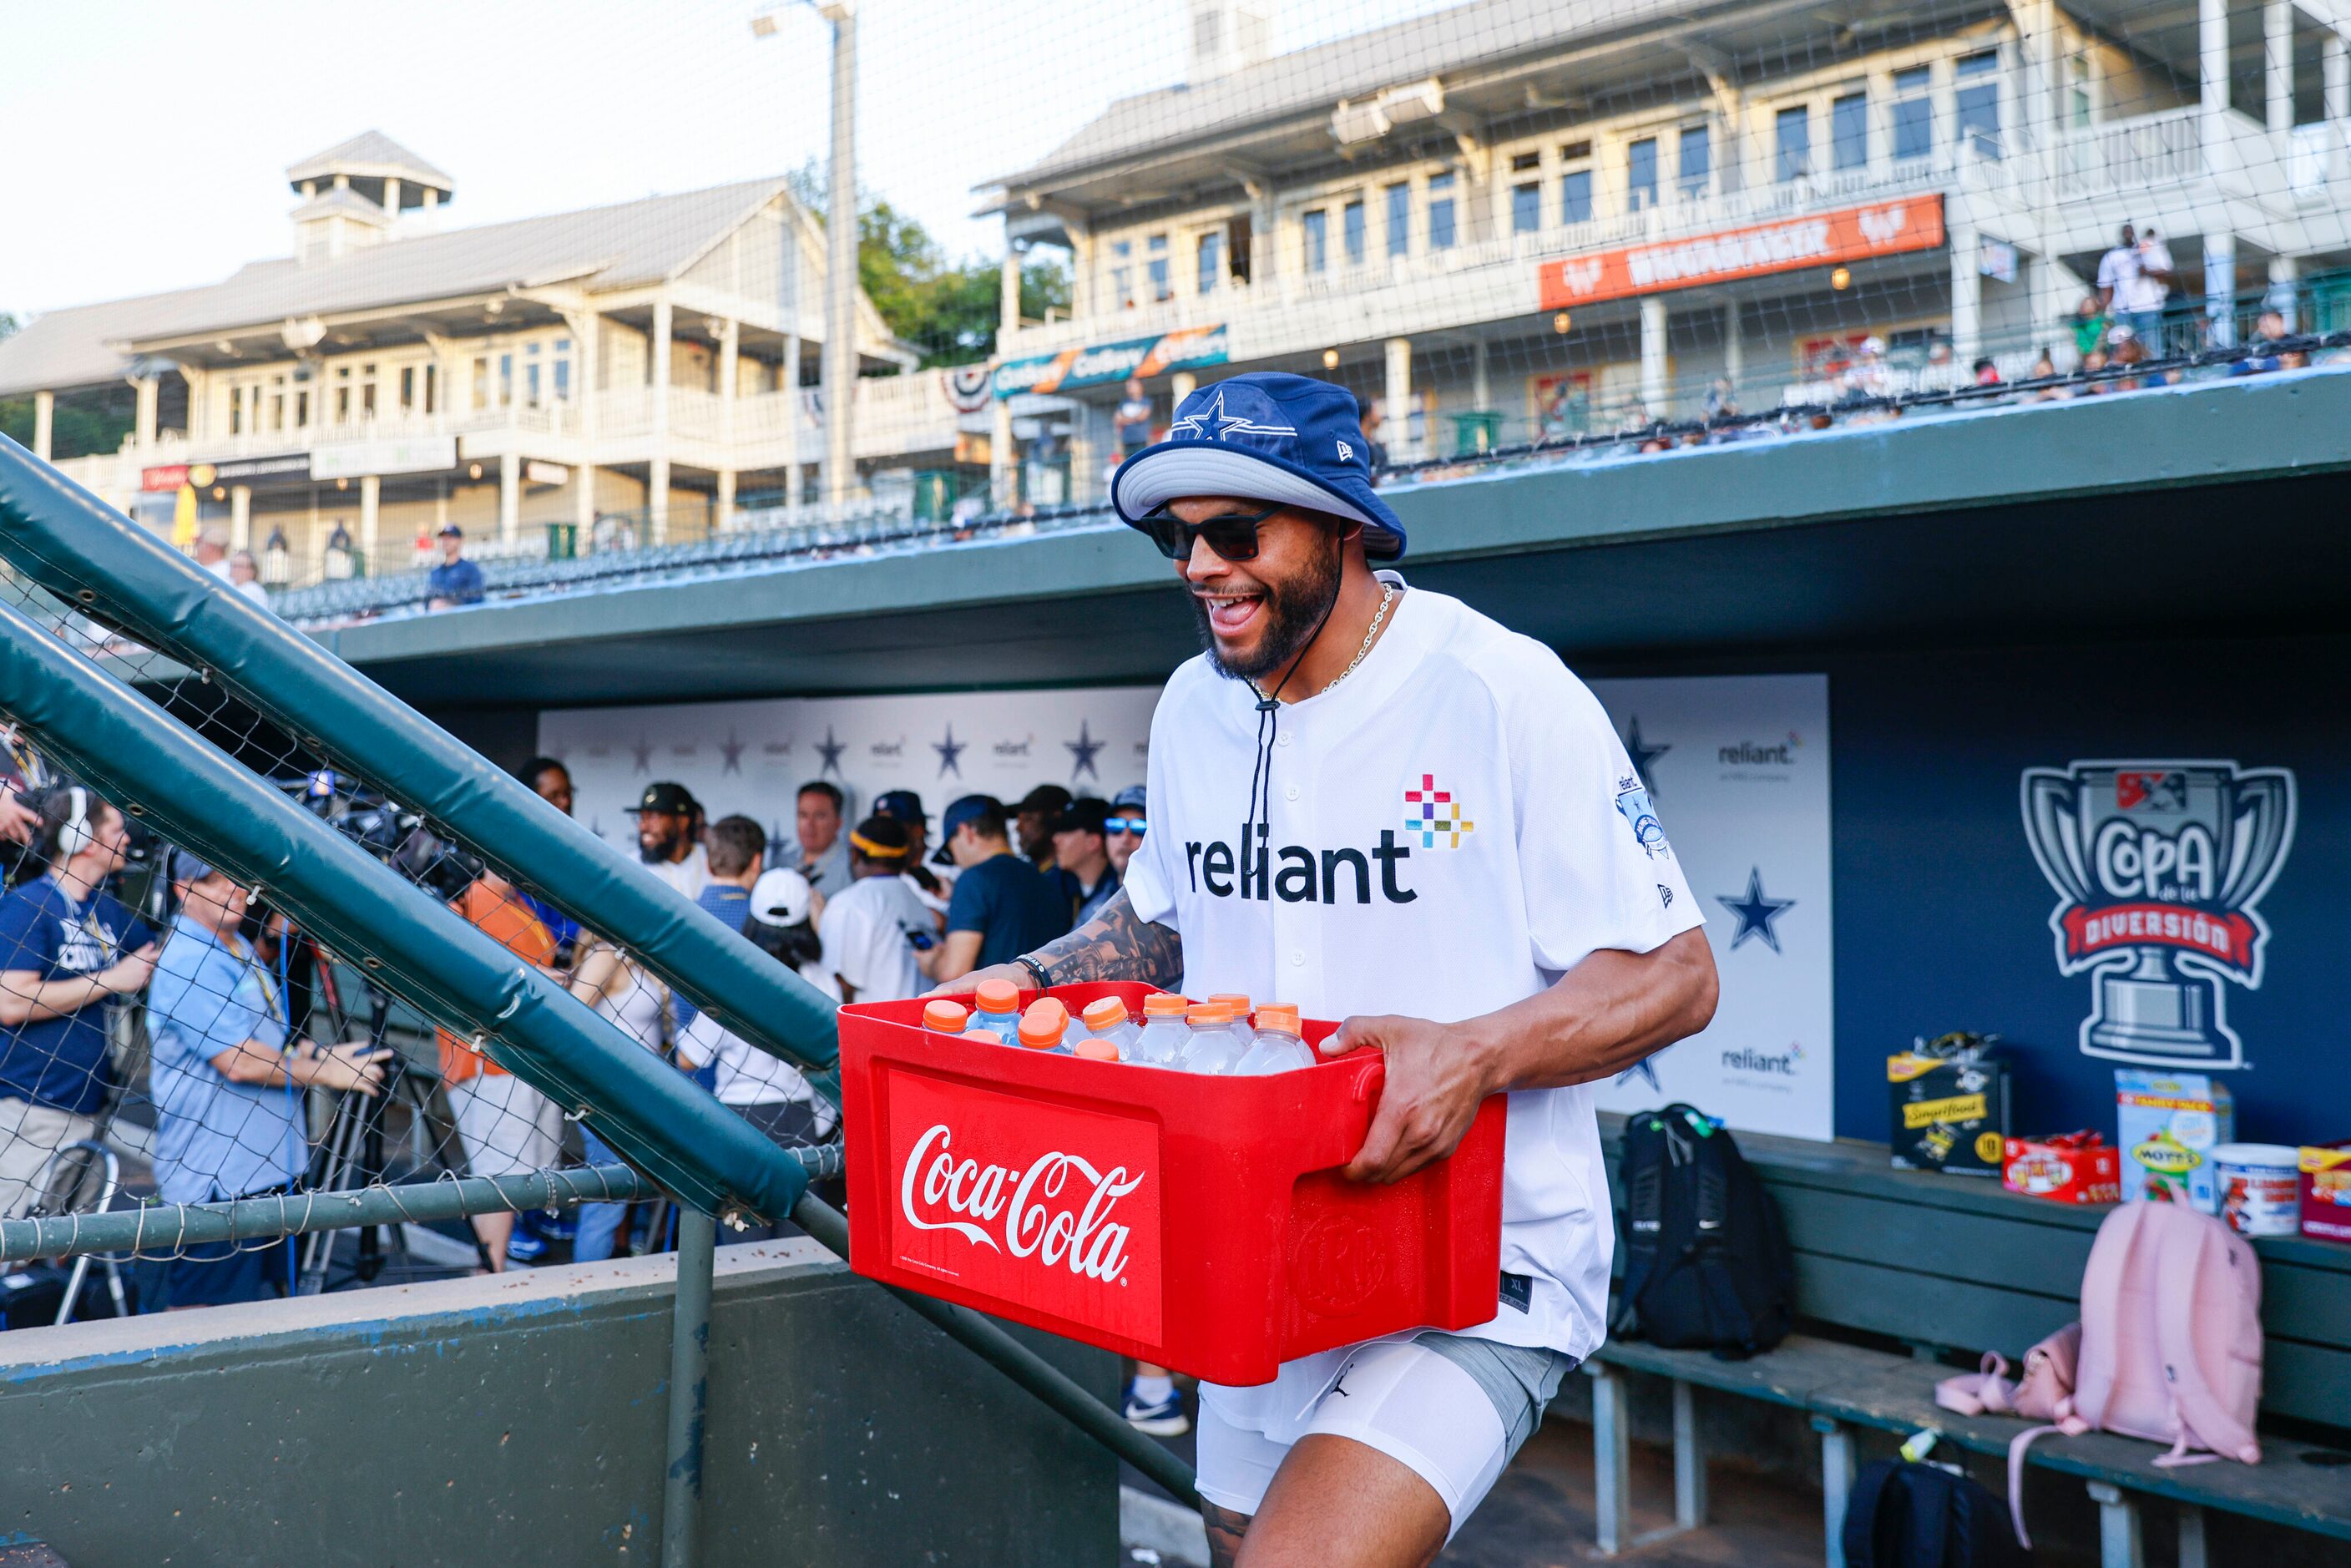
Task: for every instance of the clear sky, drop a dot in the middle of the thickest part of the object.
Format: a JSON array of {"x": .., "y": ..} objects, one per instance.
[{"x": 145, "y": 149}]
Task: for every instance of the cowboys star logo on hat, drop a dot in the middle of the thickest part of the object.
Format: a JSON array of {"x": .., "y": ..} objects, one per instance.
[{"x": 1291, "y": 441}]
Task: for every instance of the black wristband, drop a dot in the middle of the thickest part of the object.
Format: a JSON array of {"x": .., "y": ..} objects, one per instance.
[{"x": 1043, "y": 977}]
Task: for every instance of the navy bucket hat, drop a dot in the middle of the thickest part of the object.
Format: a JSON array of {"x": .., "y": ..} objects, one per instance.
[{"x": 1265, "y": 436}]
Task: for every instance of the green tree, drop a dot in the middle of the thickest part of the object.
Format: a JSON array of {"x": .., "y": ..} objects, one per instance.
[
  {"x": 83, "y": 423},
  {"x": 945, "y": 309}
]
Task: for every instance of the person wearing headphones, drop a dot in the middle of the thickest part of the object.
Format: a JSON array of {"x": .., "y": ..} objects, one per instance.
[
  {"x": 1374, "y": 802},
  {"x": 68, "y": 949}
]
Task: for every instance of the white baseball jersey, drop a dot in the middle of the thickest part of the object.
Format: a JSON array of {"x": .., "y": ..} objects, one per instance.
[{"x": 1452, "y": 828}]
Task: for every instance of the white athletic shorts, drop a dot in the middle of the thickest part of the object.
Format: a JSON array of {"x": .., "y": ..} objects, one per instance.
[
  {"x": 509, "y": 1128},
  {"x": 1451, "y": 1409}
]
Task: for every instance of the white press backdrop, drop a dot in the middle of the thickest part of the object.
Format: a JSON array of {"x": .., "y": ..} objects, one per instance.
[{"x": 1738, "y": 767}]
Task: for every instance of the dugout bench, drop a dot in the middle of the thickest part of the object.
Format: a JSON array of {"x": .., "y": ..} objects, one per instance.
[{"x": 1948, "y": 1266}]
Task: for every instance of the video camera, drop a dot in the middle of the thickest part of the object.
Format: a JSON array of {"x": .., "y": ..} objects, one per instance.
[{"x": 400, "y": 838}]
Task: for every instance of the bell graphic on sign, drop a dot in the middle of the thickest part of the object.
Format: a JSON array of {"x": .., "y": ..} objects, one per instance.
[{"x": 2159, "y": 868}]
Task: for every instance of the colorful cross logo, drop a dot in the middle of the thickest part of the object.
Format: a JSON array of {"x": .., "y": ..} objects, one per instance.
[{"x": 1434, "y": 814}]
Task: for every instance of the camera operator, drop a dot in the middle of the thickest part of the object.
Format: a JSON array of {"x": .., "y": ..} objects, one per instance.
[
  {"x": 228, "y": 1120},
  {"x": 67, "y": 948}
]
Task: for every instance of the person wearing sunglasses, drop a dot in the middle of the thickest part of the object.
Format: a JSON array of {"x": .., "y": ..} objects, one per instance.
[
  {"x": 1123, "y": 827},
  {"x": 1378, "y": 804}
]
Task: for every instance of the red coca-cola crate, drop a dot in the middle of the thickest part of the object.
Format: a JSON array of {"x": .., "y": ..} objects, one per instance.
[{"x": 1200, "y": 1223}]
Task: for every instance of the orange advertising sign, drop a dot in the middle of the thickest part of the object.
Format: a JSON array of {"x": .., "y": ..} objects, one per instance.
[{"x": 1822, "y": 239}]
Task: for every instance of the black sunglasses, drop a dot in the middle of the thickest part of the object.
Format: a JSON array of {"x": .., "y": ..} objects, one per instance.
[{"x": 1233, "y": 536}]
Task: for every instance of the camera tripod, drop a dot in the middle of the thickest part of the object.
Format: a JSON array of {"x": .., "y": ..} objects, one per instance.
[{"x": 353, "y": 1154}]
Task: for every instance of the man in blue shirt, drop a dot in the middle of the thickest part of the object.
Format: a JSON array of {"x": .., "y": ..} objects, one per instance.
[
  {"x": 230, "y": 1116},
  {"x": 456, "y": 580},
  {"x": 67, "y": 948},
  {"x": 1002, "y": 905}
]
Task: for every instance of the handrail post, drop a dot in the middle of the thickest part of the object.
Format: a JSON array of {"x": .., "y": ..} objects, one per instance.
[{"x": 689, "y": 1386}]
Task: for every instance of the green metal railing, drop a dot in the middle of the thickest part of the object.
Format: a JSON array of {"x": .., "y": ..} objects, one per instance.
[{"x": 92, "y": 557}]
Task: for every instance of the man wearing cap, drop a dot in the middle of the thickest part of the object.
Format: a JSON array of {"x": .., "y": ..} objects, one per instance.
[
  {"x": 1002, "y": 906},
  {"x": 871, "y": 928},
  {"x": 226, "y": 1124},
  {"x": 929, "y": 888},
  {"x": 456, "y": 580},
  {"x": 1381, "y": 806},
  {"x": 1124, "y": 826},
  {"x": 1033, "y": 819},
  {"x": 1081, "y": 854},
  {"x": 669, "y": 824}
]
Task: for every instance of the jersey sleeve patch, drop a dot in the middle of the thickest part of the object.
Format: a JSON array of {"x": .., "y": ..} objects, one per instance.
[{"x": 1633, "y": 804}]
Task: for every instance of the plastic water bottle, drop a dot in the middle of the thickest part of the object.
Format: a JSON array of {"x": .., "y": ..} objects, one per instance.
[
  {"x": 996, "y": 1007},
  {"x": 1105, "y": 1018},
  {"x": 943, "y": 1017},
  {"x": 1236, "y": 1003},
  {"x": 1210, "y": 1045},
  {"x": 1163, "y": 1036},
  {"x": 1279, "y": 1047},
  {"x": 1044, "y": 1024},
  {"x": 1094, "y": 1047},
  {"x": 984, "y": 1036}
]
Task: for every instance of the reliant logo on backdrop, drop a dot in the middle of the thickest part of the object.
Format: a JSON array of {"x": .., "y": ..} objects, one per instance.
[{"x": 2159, "y": 868}]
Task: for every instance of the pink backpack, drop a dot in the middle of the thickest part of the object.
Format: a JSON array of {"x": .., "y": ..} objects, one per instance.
[{"x": 2169, "y": 1347}]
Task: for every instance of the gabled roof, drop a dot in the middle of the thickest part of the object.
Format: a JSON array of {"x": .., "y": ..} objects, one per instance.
[
  {"x": 336, "y": 202},
  {"x": 370, "y": 155},
  {"x": 75, "y": 347},
  {"x": 1460, "y": 39}
]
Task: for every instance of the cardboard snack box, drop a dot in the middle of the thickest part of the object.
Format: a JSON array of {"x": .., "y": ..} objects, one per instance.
[
  {"x": 2169, "y": 1124},
  {"x": 1950, "y": 1105},
  {"x": 2079, "y": 1168},
  {"x": 2326, "y": 1191}
]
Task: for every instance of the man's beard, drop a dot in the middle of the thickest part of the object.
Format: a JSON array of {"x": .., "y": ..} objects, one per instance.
[
  {"x": 660, "y": 851},
  {"x": 1294, "y": 612}
]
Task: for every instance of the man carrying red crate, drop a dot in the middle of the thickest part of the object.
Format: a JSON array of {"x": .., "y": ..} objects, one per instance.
[{"x": 1380, "y": 805}]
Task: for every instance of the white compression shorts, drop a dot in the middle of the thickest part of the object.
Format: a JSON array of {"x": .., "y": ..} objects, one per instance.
[{"x": 1452, "y": 1410}]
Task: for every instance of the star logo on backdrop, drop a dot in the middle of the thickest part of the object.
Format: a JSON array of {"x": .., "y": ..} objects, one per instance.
[
  {"x": 1644, "y": 1068},
  {"x": 731, "y": 750},
  {"x": 643, "y": 752},
  {"x": 829, "y": 749},
  {"x": 950, "y": 752},
  {"x": 1196, "y": 425},
  {"x": 1082, "y": 753},
  {"x": 1645, "y": 757},
  {"x": 1756, "y": 912}
]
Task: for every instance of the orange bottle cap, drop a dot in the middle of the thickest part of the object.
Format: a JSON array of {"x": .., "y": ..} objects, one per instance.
[
  {"x": 1207, "y": 1014},
  {"x": 1095, "y": 1050},
  {"x": 1163, "y": 1005},
  {"x": 1281, "y": 1015},
  {"x": 985, "y": 1036},
  {"x": 1236, "y": 1000},
  {"x": 1104, "y": 1013},
  {"x": 998, "y": 996},
  {"x": 947, "y": 1016},
  {"x": 1041, "y": 1025}
]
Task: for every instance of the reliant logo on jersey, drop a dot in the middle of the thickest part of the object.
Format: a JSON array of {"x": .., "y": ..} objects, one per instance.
[
  {"x": 2159, "y": 868},
  {"x": 1296, "y": 875}
]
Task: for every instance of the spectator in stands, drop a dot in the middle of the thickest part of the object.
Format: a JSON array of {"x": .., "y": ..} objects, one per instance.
[
  {"x": 824, "y": 858},
  {"x": 669, "y": 821},
  {"x": 930, "y": 889},
  {"x": 2129, "y": 352},
  {"x": 551, "y": 782},
  {"x": 872, "y": 929},
  {"x": 1124, "y": 826},
  {"x": 1987, "y": 372},
  {"x": 2044, "y": 369},
  {"x": 456, "y": 580},
  {"x": 2134, "y": 280},
  {"x": 67, "y": 948},
  {"x": 341, "y": 562},
  {"x": 2093, "y": 363},
  {"x": 1132, "y": 419},
  {"x": 1081, "y": 850},
  {"x": 1721, "y": 400},
  {"x": 212, "y": 552},
  {"x": 2090, "y": 324},
  {"x": 2267, "y": 351},
  {"x": 1001, "y": 908},
  {"x": 226, "y": 1122},
  {"x": 244, "y": 576},
  {"x": 507, "y": 1127}
]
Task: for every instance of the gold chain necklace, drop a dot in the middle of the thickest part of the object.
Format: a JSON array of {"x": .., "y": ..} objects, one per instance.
[{"x": 1379, "y": 619}]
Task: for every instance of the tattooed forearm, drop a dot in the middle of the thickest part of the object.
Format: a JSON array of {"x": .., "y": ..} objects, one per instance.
[
  {"x": 1115, "y": 945},
  {"x": 1226, "y": 1529}
]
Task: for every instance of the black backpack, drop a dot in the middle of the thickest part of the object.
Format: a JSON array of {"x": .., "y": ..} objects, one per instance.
[
  {"x": 1705, "y": 1263},
  {"x": 1905, "y": 1515}
]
